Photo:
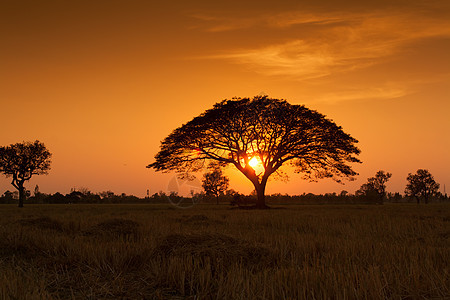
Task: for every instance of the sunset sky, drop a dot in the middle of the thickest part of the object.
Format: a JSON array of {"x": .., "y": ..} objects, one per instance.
[{"x": 101, "y": 83}]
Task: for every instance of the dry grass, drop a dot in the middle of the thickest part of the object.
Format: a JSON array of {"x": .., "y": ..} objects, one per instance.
[
  {"x": 42, "y": 223},
  {"x": 212, "y": 252},
  {"x": 114, "y": 228},
  {"x": 221, "y": 251}
]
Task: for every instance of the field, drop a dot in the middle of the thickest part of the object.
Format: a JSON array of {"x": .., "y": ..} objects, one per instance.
[{"x": 399, "y": 251}]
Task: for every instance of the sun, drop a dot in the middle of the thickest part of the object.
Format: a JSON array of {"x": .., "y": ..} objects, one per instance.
[{"x": 253, "y": 162}]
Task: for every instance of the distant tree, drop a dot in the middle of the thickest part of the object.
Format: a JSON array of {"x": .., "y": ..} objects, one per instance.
[
  {"x": 395, "y": 197},
  {"x": 214, "y": 182},
  {"x": 107, "y": 195},
  {"x": 239, "y": 131},
  {"x": 343, "y": 193},
  {"x": 7, "y": 197},
  {"x": 8, "y": 194},
  {"x": 376, "y": 186},
  {"x": 37, "y": 195},
  {"x": 74, "y": 197},
  {"x": 57, "y": 198},
  {"x": 37, "y": 192},
  {"x": 83, "y": 190},
  {"x": 23, "y": 160},
  {"x": 230, "y": 192},
  {"x": 421, "y": 185}
]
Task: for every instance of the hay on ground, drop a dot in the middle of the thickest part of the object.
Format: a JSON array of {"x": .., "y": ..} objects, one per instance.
[
  {"x": 115, "y": 227},
  {"x": 218, "y": 247},
  {"x": 201, "y": 220},
  {"x": 45, "y": 223}
]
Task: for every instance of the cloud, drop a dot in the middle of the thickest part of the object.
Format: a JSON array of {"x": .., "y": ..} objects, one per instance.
[
  {"x": 347, "y": 42},
  {"x": 296, "y": 58},
  {"x": 389, "y": 91},
  {"x": 284, "y": 20},
  {"x": 210, "y": 23}
]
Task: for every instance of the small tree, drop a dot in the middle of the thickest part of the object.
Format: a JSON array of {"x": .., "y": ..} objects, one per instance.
[
  {"x": 37, "y": 191},
  {"x": 375, "y": 186},
  {"x": 7, "y": 197},
  {"x": 23, "y": 160},
  {"x": 215, "y": 182},
  {"x": 421, "y": 185},
  {"x": 37, "y": 195}
]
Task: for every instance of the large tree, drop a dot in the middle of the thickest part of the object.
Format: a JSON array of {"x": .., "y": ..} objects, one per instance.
[
  {"x": 23, "y": 160},
  {"x": 235, "y": 132},
  {"x": 421, "y": 185}
]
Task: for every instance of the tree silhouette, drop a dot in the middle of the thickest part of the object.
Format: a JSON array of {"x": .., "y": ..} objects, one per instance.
[
  {"x": 23, "y": 160},
  {"x": 215, "y": 182},
  {"x": 274, "y": 131},
  {"x": 376, "y": 186},
  {"x": 421, "y": 185}
]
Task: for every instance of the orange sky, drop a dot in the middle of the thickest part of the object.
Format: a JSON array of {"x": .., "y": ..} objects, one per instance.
[{"x": 101, "y": 83}]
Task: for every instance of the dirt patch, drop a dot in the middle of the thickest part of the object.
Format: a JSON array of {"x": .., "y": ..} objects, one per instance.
[
  {"x": 115, "y": 227},
  {"x": 220, "y": 249},
  {"x": 45, "y": 223}
]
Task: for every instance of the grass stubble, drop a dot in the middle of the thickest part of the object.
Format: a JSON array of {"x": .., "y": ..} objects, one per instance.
[{"x": 212, "y": 252}]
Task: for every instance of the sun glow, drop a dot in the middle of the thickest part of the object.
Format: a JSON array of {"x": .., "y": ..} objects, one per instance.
[{"x": 253, "y": 162}]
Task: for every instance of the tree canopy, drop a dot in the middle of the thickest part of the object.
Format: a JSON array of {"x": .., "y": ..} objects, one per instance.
[
  {"x": 376, "y": 186},
  {"x": 215, "y": 182},
  {"x": 272, "y": 130},
  {"x": 23, "y": 160},
  {"x": 421, "y": 185}
]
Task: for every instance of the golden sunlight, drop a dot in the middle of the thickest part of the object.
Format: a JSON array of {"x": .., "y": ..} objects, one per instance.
[{"x": 254, "y": 162}]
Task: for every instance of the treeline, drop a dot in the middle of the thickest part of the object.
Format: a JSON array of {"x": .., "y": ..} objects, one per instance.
[
  {"x": 231, "y": 197},
  {"x": 309, "y": 198},
  {"x": 74, "y": 197},
  {"x": 346, "y": 198}
]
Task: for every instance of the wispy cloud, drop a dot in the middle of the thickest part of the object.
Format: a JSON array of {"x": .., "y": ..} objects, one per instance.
[
  {"x": 211, "y": 23},
  {"x": 284, "y": 20},
  {"x": 388, "y": 91},
  {"x": 296, "y": 58},
  {"x": 348, "y": 42}
]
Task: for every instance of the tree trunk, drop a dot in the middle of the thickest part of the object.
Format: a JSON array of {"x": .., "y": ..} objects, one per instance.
[
  {"x": 21, "y": 195},
  {"x": 217, "y": 200},
  {"x": 261, "y": 197}
]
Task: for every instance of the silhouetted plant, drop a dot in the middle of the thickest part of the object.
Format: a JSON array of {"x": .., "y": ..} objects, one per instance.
[
  {"x": 214, "y": 182},
  {"x": 375, "y": 186},
  {"x": 274, "y": 131},
  {"x": 8, "y": 197},
  {"x": 421, "y": 185},
  {"x": 23, "y": 160}
]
